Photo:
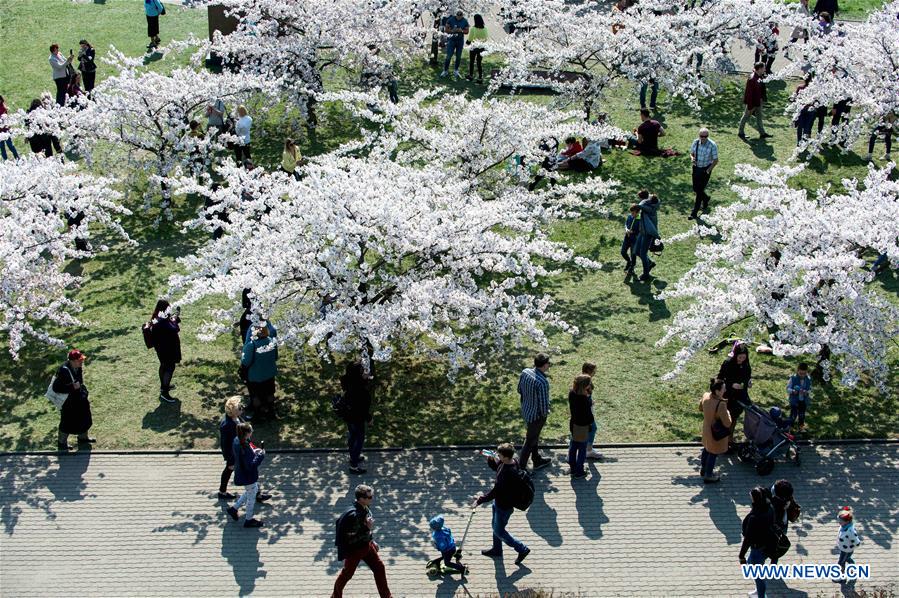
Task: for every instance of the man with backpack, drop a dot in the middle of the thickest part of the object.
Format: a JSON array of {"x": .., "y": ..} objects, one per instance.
[
  {"x": 513, "y": 489},
  {"x": 354, "y": 543}
]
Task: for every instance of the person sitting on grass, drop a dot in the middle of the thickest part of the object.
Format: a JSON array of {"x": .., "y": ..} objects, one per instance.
[
  {"x": 647, "y": 134},
  {"x": 585, "y": 160},
  {"x": 572, "y": 147}
]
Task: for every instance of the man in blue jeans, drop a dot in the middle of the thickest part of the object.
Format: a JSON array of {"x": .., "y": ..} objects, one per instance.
[
  {"x": 504, "y": 495},
  {"x": 456, "y": 28}
]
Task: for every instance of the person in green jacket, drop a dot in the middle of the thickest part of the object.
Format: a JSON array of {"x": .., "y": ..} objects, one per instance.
[
  {"x": 260, "y": 364},
  {"x": 478, "y": 33}
]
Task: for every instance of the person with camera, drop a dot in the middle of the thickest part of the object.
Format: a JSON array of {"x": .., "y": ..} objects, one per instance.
[
  {"x": 504, "y": 495},
  {"x": 60, "y": 66},
  {"x": 167, "y": 344},
  {"x": 247, "y": 457},
  {"x": 456, "y": 28},
  {"x": 87, "y": 66}
]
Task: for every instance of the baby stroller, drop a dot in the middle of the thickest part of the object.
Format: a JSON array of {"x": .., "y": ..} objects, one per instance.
[{"x": 764, "y": 437}]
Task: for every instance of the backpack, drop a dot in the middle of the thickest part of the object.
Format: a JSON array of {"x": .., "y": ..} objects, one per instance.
[
  {"x": 340, "y": 533},
  {"x": 525, "y": 489},
  {"x": 147, "y": 330},
  {"x": 340, "y": 406}
]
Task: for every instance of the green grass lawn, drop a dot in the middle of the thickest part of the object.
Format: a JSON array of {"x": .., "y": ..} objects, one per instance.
[
  {"x": 619, "y": 320},
  {"x": 854, "y": 9}
]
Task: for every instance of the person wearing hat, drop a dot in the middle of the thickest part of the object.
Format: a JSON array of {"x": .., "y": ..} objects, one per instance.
[
  {"x": 847, "y": 540},
  {"x": 456, "y": 28},
  {"x": 75, "y": 415}
]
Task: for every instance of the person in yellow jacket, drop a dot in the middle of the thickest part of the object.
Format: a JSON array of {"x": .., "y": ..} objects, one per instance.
[{"x": 290, "y": 158}]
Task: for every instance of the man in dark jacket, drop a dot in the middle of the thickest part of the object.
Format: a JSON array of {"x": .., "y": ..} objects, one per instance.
[
  {"x": 753, "y": 99},
  {"x": 355, "y": 543},
  {"x": 356, "y": 386},
  {"x": 504, "y": 495},
  {"x": 831, "y": 7},
  {"x": 758, "y": 536}
]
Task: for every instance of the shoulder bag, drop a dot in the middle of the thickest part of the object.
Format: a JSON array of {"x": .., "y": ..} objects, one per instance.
[
  {"x": 58, "y": 398},
  {"x": 719, "y": 430}
]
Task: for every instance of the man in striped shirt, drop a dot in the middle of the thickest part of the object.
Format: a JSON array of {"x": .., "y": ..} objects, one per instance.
[
  {"x": 533, "y": 387},
  {"x": 704, "y": 155}
]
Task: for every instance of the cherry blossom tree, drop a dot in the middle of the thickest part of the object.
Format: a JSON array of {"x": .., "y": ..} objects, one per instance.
[
  {"x": 858, "y": 63},
  {"x": 48, "y": 212},
  {"x": 791, "y": 266},
  {"x": 651, "y": 40},
  {"x": 147, "y": 115},
  {"x": 296, "y": 42},
  {"x": 389, "y": 244}
]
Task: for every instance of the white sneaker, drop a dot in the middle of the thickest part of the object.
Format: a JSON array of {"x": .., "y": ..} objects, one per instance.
[
  {"x": 886, "y": 157},
  {"x": 456, "y": 74},
  {"x": 444, "y": 74},
  {"x": 594, "y": 454},
  {"x": 753, "y": 594}
]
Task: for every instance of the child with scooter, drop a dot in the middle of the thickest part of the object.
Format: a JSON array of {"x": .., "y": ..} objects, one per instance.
[{"x": 446, "y": 544}]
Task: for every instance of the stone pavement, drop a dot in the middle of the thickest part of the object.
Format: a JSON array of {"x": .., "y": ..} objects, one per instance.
[{"x": 94, "y": 524}]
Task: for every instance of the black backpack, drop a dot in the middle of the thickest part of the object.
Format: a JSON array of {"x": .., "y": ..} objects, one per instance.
[
  {"x": 147, "y": 330},
  {"x": 525, "y": 494}
]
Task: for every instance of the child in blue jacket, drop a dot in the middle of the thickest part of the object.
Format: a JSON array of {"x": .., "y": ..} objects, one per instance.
[
  {"x": 799, "y": 391},
  {"x": 445, "y": 543},
  {"x": 247, "y": 458}
]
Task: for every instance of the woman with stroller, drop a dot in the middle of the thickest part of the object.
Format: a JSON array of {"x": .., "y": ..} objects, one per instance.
[
  {"x": 715, "y": 422},
  {"x": 737, "y": 376}
]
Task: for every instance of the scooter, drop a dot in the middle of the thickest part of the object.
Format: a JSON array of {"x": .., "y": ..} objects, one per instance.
[{"x": 436, "y": 566}]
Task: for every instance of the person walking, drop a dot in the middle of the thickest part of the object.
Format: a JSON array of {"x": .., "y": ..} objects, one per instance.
[
  {"x": 629, "y": 242},
  {"x": 758, "y": 535},
  {"x": 247, "y": 458},
  {"x": 6, "y": 143},
  {"x": 60, "y": 64},
  {"x": 847, "y": 540},
  {"x": 716, "y": 429},
  {"x": 152, "y": 9},
  {"x": 356, "y": 385},
  {"x": 242, "y": 129},
  {"x": 504, "y": 496},
  {"x": 753, "y": 99},
  {"x": 456, "y": 28},
  {"x": 227, "y": 433},
  {"x": 648, "y": 230},
  {"x": 533, "y": 388},
  {"x": 167, "y": 344},
  {"x": 355, "y": 543},
  {"x": 87, "y": 66},
  {"x": 736, "y": 373},
  {"x": 477, "y": 35},
  {"x": 75, "y": 414},
  {"x": 260, "y": 362},
  {"x": 579, "y": 423},
  {"x": 704, "y": 157}
]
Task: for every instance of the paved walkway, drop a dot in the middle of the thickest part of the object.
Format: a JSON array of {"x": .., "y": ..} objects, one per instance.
[{"x": 641, "y": 524}]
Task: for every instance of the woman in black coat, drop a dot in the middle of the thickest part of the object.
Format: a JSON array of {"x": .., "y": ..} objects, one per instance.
[
  {"x": 167, "y": 343},
  {"x": 356, "y": 386},
  {"x": 75, "y": 415},
  {"x": 737, "y": 375},
  {"x": 87, "y": 66}
]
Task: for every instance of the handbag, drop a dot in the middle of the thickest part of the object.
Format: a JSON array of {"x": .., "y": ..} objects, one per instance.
[
  {"x": 58, "y": 398},
  {"x": 161, "y": 8},
  {"x": 579, "y": 433},
  {"x": 719, "y": 430}
]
